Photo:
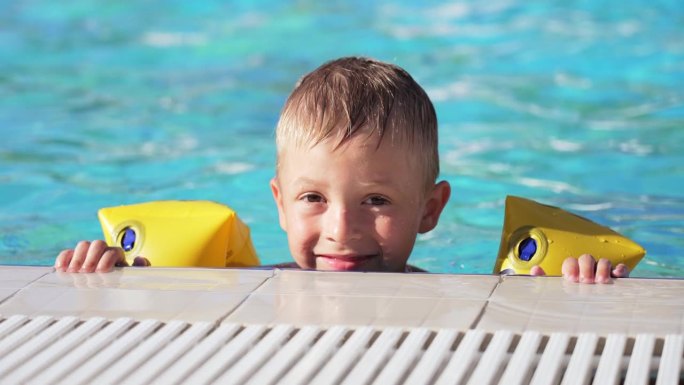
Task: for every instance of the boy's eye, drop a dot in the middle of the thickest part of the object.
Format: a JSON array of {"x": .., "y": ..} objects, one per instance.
[
  {"x": 377, "y": 201},
  {"x": 312, "y": 198}
]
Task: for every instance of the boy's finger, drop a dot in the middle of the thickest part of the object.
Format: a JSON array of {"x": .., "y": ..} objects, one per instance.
[
  {"x": 587, "y": 268},
  {"x": 95, "y": 251},
  {"x": 113, "y": 256},
  {"x": 63, "y": 259},
  {"x": 141, "y": 261},
  {"x": 536, "y": 270},
  {"x": 80, "y": 253},
  {"x": 123, "y": 262},
  {"x": 620, "y": 271},
  {"x": 570, "y": 269},
  {"x": 603, "y": 268}
]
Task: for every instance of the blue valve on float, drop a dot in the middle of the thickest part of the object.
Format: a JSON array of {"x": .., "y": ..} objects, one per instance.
[
  {"x": 527, "y": 249},
  {"x": 128, "y": 237}
]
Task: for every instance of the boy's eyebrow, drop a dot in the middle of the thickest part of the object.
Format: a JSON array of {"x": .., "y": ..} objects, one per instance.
[{"x": 379, "y": 181}]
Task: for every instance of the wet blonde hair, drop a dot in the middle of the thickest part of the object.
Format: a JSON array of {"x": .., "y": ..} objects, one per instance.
[{"x": 351, "y": 95}]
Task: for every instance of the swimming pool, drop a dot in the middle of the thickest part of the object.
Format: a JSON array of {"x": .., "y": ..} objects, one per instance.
[{"x": 576, "y": 104}]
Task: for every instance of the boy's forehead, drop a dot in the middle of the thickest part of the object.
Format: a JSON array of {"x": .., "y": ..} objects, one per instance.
[
  {"x": 364, "y": 146},
  {"x": 391, "y": 164},
  {"x": 358, "y": 151}
]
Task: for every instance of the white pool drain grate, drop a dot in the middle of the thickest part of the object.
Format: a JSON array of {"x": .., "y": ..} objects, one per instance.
[{"x": 45, "y": 350}]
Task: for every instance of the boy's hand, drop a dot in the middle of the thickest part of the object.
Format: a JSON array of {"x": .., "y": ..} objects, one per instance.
[
  {"x": 586, "y": 269},
  {"x": 95, "y": 256}
]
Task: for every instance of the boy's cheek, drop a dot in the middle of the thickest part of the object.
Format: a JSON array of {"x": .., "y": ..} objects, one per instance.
[
  {"x": 301, "y": 246},
  {"x": 304, "y": 262}
]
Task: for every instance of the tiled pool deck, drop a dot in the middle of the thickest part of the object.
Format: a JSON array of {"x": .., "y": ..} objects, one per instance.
[
  {"x": 223, "y": 326},
  {"x": 490, "y": 303}
]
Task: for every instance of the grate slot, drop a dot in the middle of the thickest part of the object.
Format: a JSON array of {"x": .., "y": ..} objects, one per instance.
[
  {"x": 609, "y": 370},
  {"x": 319, "y": 352},
  {"x": 226, "y": 355},
  {"x": 463, "y": 360},
  {"x": 169, "y": 354},
  {"x": 198, "y": 354},
  {"x": 433, "y": 359},
  {"x": 670, "y": 368},
  {"x": 286, "y": 357},
  {"x": 549, "y": 367},
  {"x": 403, "y": 359},
  {"x": 640, "y": 361},
  {"x": 12, "y": 323},
  {"x": 126, "y": 364},
  {"x": 251, "y": 361},
  {"x": 519, "y": 367},
  {"x": 54, "y": 352},
  {"x": 24, "y": 333},
  {"x": 374, "y": 357},
  {"x": 579, "y": 368},
  {"x": 98, "y": 362},
  {"x": 493, "y": 359},
  {"x": 345, "y": 357},
  {"x": 81, "y": 353},
  {"x": 22, "y": 354}
]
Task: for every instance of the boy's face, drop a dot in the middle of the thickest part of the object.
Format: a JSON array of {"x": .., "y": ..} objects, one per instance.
[{"x": 355, "y": 207}]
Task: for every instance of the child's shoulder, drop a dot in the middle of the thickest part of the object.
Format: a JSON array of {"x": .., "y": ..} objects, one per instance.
[{"x": 413, "y": 269}]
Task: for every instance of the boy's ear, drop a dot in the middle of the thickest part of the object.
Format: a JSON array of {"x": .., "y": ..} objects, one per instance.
[
  {"x": 278, "y": 198},
  {"x": 434, "y": 205}
]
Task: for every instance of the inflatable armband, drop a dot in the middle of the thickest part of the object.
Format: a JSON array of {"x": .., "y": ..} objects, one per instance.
[
  {"x": 537, "y": 234},
  {"x": 179, "y": 233}
]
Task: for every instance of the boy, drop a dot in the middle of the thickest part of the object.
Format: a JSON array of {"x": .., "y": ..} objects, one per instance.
[{"x": 356, "y": 176}]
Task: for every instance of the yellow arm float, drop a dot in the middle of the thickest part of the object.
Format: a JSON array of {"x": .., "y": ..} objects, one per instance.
[
  {"x": 537, "y": 234},
  {"x": 179, "y": 233}
]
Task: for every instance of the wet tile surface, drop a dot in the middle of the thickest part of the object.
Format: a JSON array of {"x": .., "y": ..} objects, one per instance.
[
  {"x": 379, "y": 299},
  {"x": 14, "y": 278},
  {"x": 164, "y": 294},
  {"x": 517, "y": 303},
  {"x": 550, "y": 304}
]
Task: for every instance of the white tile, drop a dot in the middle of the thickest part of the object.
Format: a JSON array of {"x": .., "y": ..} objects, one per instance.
[
  {"x": 380, "y": 284},
  {"x": 518, "y": 303},
  {"x": 165, "y": 294},
  {"x": 14, "y": 278},
  {"x": 234, "y": 280},
  {"x": 520, "y": 315},
  {"x": 328, "y": 310},
  {"x": 451, "y": 313},
  {"x": 620, "y": 290},
  {"x": 550, "y": 304},
  {"x": 380, "y": 299}
]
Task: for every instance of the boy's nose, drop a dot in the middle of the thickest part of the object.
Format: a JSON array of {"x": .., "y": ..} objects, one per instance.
[{"x": 341, "y": 224}]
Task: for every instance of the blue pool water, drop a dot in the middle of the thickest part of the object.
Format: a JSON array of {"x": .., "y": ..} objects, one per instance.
[{"x": 574, "y": 103}]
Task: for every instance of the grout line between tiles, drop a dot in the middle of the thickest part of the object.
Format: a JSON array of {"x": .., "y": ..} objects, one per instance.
[
  {"x": 477, "y": 319},
  {"x": 273, "y": 274},
  {"x": 29, "y": 283}
]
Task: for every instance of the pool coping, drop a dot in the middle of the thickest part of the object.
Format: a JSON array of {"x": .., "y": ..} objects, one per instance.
[{"x": 257, "y": 296}]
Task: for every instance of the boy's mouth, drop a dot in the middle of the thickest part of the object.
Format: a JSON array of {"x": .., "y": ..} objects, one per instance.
[{"x": 343, "y": 262}]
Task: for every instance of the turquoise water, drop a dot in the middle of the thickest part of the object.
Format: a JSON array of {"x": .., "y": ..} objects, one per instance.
[{"x": 573, "y": 103}]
